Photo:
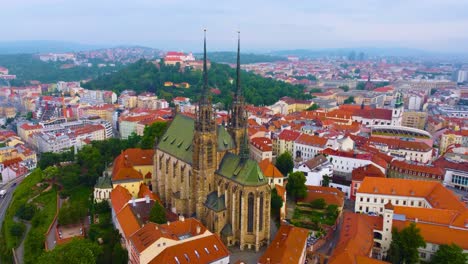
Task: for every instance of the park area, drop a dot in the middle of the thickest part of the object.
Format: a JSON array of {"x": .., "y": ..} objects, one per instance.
[{"x": 315, "y": 215}]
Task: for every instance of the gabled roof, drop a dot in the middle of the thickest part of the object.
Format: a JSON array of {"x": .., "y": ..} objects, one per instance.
[
  {"x": 245, "y": 173},
  {"x": 369, "y": 170},
  {"x": 145, "y": 191},
  {"x": 127, "y": 221},
  {"x": 269, "y": 169},
  {"x": 119, "y": 198},
  {"x": 288, "y": 135},
  {"x": 310, "y": 140},
  {"x": 198, "y": 251},
  {"x": 434, "y": 192},
  {"x": 315, "y": 161},
  {"x": 287, "y": 247},
  {"x": 356, "y": 239}
]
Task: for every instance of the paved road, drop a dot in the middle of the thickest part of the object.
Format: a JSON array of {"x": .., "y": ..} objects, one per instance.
[{"x": 5, "y": 201}]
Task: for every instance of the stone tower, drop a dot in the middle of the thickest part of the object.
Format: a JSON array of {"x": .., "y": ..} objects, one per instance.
[
  {"x": 204, "y": 149},
  {"x": 238, "y": 119}
]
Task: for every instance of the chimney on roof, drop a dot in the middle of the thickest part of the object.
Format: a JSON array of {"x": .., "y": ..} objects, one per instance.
[
  {"x": 133, "y": 201},
  {"x": 198, "y": 229},
  {"x": 181, "y": 218},
  {"x": 147, "y": 199},
  {"x": 416, "y": 220}
]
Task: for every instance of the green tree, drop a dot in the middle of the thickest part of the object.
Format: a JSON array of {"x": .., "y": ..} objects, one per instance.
[
  {"x": 318, "y": 203},
  {"x": 296, "y": 185},
  {"x": 29, "y": 115},
  {"x": 26, "y": 211},
  {"x": 276, "y": 202},
  {"x": 349, "y": 100},
  {"x": 405, "y": 244},
  {"x": 50, "y": 173},
  {"x": 313, "y": 107},
  {"x": 77, "y": 251},
  {"x": 151, "y": 133},
  {"x": 158, "y": 214},
  {"x": 326, "y": 181},
  {"x": 344, "y": 88},
  {"x": 285, "y": 163},
  {"x": 449, "y": 254},
  {"x": 17, "y": 229}
]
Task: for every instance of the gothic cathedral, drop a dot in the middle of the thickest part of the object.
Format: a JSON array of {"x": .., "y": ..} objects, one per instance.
[{"x": 203, "y": 170}]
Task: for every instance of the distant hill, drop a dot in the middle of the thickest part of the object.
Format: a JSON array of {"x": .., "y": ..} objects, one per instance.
[
  {"x": 145, "y": 76},
  {"x": 27, "y": 67},
  {"x": 44, "y": 46},
  {"x": 246, "y": 58}
]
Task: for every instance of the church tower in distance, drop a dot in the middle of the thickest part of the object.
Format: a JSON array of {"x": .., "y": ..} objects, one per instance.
[
  {"x": 238, "y": 119},
  {"x": 204, "y": 148}
]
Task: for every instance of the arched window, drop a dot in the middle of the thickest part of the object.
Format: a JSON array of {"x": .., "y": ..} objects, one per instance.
[
  {"x": 261, "y": 212},
  {"x": 250, "y": 213}
]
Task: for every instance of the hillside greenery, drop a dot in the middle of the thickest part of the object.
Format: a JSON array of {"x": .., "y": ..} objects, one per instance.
[
  {"x": 145, "y": 76},
  {"x": 28, "y": 67}
]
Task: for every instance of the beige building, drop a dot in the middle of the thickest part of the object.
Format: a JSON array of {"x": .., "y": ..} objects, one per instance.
[
  {"x": 414, "y": 119},
  {"x": 453, "y": 138}
]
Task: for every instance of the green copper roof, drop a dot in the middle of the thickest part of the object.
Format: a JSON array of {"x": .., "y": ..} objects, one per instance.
[
  {"x": 214, "y": 202},
  {"x": 225, "y": 141},
  {"x": 177, "y": 141},
  {"x": 247, "y": 173}
]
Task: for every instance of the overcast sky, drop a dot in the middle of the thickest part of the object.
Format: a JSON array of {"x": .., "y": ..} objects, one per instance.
[{"x": 438, "y": 25}]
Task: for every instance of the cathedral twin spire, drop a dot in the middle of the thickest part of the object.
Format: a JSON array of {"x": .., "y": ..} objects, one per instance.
[{"x": 238, "y": 119}]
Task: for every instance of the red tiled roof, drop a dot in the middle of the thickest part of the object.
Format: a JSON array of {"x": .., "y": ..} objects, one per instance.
[
  {"x": 404, "y": 166},
  {"x": 289, "y": 135},
  {"x": 370, "y": 170},
  {"x": 119, "y": 198},
  {"x": 207, "y": 249},
  {"x": 311, "y": 140},
  {"x": 269, "y": 169},
  {"x": 288, "y": 246},
  {"x": 262, "y": 143},
  {"x": 356, "y": 239}
]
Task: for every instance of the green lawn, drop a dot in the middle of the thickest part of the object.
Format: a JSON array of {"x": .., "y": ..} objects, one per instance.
[
  {"x": 34, "y": 244},
  {"x": 24, "y": 192}
]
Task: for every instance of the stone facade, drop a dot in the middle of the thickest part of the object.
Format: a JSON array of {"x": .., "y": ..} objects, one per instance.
[{"x": 203, "y": 170}]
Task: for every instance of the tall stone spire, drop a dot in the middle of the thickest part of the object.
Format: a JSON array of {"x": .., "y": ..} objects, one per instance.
[
  {"x": 205, "y": 118},
  {"x": 204, "y": 97},
  {"x": 238, "y": 70},
  {"x": 237, "y": 120}
]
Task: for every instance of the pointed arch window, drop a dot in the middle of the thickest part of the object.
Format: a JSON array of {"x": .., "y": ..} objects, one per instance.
[{"x": 250, "y": 213}]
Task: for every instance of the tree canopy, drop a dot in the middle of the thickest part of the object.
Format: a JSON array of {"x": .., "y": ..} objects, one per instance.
[
  {"x": 145, "y": 76},
  {"x": 276, "y": 202},
  {"x": 313, "y": 107},
  {"x": 349, "y": 100},
  {"x": 77, "y": 251},
  {"x": 449, "y": 254},
  {"x": 158, "y": 214},
  {"x": 151, "y": 133},
  {"x": 285, "y": 163},
  {"x": 405, "y": 244},
  {"x": 296, "y": 185}
]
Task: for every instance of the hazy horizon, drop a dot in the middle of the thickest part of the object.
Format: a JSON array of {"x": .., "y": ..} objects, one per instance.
[{"x": 430, "y": 25}]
